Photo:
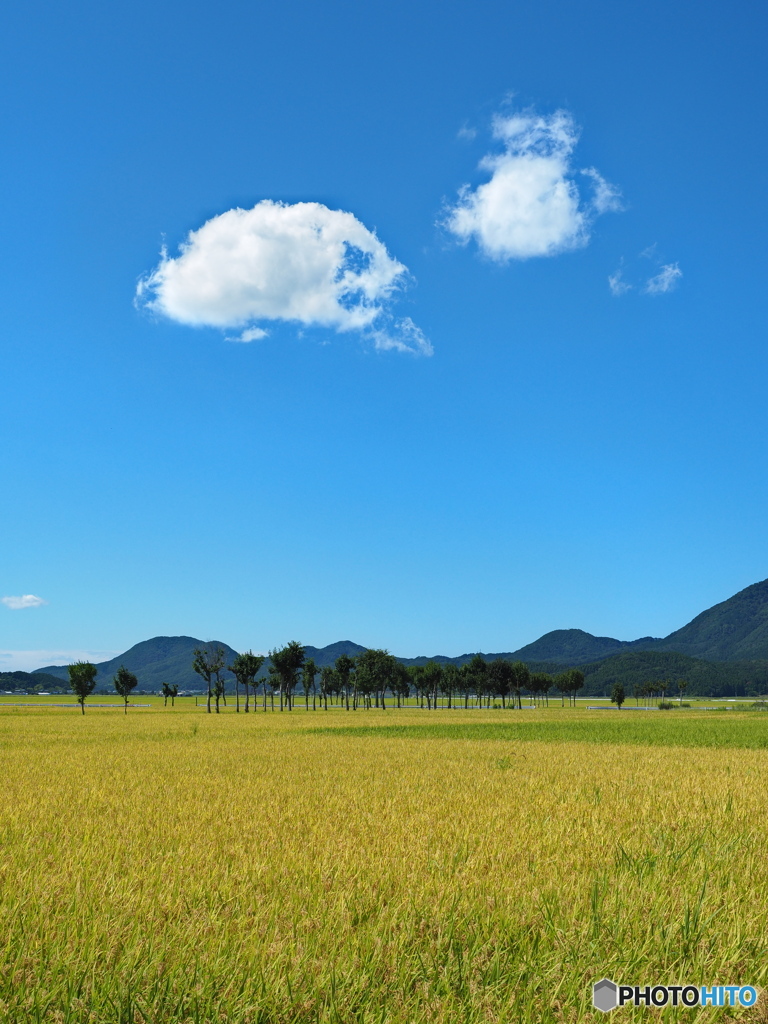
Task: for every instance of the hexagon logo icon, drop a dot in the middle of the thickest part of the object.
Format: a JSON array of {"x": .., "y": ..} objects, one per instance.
[{"x": 604, "y": 996}]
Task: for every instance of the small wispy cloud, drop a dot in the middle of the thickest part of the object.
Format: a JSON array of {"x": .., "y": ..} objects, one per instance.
[
  {"x": 302, "y": 263},
  {"x": 617, "y": 284},
  {"x": 665, "y": 280},
  {"x": 607, "y": 198},
  {"x": 406, "y": 337},
  {"x": 531, "y": 205},
  {"x": 660, "y": 283},
  {"x": 22, "y": 601},
  {"x": 251, "y": 334},
  {"x": 466, "y": 133}
]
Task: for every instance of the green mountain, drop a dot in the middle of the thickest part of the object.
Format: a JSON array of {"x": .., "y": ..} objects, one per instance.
[
  {"x": 163, "y": 659},
  {"x": 734, "y": 630},
  {"x": 168, "y": 659},
  {"x": 29, "y": 682},
  {"x": 724, "y": 648},
  {"x": 575, "y": 647},
  {"x": 328, "y": 655}
]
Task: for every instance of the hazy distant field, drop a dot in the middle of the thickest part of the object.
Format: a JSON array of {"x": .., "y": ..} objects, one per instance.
[{"x": 396, "y": 867}]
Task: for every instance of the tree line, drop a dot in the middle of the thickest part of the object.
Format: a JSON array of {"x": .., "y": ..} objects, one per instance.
[
  {"x": 365, "y": 681},
  {"x": 371, "y": 678}
]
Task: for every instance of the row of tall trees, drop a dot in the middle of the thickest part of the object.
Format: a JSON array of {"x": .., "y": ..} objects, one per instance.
[
  {"x": 648, "y": 691},
  {"x": 366, "y": 681},
  {"x": 373, "y": 677}
]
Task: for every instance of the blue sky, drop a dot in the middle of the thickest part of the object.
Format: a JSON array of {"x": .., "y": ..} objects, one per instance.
[{"x": 456, "y": 456}]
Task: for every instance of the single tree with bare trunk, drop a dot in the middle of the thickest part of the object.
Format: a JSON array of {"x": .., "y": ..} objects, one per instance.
[
  {"x": 125, "y": 681},
  {"x": 308, "y": 673},
  {"x": 345, "y": 668},
  {"x": 328, "y": 683},
  {"x": 82, "y": 680}
]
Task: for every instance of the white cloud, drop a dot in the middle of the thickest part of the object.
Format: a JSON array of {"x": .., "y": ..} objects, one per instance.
[
  {"x": 607, "y": 198},
  {"x": 665, "y": 280},
  {"x": 406, "y": 337},
  {"x": 22, "y": 601},
  {"x": 617, "y": 284},
  {"x": 302, "y": 263},
  {"x": 531, "y": 206},
  {"x": 251, "y": 334}
]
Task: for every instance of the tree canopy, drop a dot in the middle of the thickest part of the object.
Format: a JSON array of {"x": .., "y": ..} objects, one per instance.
[{"x": 82, "y": 680}]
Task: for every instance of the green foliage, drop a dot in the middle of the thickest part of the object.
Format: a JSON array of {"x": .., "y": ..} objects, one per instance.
[
  {"x": 308, "y": 673},
  {"x": 82, "y": 680},
  {"x": 704, "y": 678},
  {"x": 500, "y": 678},
  {"x": 401, "y": 680},
  {"x": 451, "y": 679},
  {"x": 245, "y": 667},
  {"x": 539, "y": 684},
  {"x": 345, "y": 667},
  {"x": 618, "y": 696},
  {"x": 431, "y": 680},
  {"x": 32, "y": 681},
  {"x": 329, "y": 681},
  {"x": 208, "y": 663},
  {"x": 125, "y": 682},
  {"x": 475, "y": 673},
  {"x": 286, "y": 663},
  {"x": 375, "y": 673},
  {"x": 169, "y": 691}
]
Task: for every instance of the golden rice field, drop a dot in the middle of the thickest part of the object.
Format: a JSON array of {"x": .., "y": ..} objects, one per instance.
[{"x": 170, "y": 866}]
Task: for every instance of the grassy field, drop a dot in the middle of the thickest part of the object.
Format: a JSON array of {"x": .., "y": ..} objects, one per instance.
[{"x": 168, "y": 866}]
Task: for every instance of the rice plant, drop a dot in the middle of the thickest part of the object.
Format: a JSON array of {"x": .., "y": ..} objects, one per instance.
[{"x": 177, "y": 867}]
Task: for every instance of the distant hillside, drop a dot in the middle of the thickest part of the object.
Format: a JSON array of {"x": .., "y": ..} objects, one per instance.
[
  {"x": 168, "y": 659},
  {"x": 29, "y": 681},
  {"x": 575, "y": 647},
  {"x": 705, "y": 678},
  {"x": 328, "y": 655},
  {"x": 734, "y": 630},
  {"x": 724, "y": 647},
  {"x": 163, "y": 659}
]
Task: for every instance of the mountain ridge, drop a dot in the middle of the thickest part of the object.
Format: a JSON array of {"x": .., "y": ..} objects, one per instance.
[
  {"x": 734, "y": 631},
  {"x": 161, "y": 659}
]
